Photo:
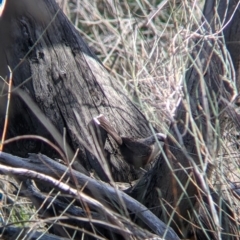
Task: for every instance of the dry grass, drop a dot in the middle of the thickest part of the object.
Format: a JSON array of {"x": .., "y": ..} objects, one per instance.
[{"x": 144, "y": 45}]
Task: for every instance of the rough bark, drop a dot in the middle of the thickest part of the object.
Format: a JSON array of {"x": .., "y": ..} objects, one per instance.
[
  {"x": 56, "y": 77},
  {"x": 55, "y": 68}
]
